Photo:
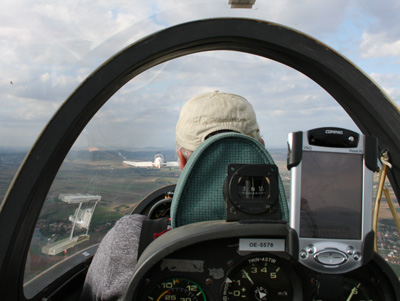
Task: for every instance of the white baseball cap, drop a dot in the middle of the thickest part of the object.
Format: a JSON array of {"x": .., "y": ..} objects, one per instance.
[{"x": 207, "y": 113}]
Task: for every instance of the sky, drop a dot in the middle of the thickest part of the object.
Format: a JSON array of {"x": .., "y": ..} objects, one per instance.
[{"x": 48, "y": 48}]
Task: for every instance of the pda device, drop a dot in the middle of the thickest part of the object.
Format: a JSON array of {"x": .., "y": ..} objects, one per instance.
[{"x": 331, "y": 197}]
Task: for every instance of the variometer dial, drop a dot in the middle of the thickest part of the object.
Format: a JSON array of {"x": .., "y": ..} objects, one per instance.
[{"x": 258, "y": 278}]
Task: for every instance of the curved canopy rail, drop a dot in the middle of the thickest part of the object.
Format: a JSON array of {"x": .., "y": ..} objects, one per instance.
[{"x": 362, "y": 99}]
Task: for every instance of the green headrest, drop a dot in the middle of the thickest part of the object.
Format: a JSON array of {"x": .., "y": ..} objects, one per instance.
[{"x": 198, "y": 194}]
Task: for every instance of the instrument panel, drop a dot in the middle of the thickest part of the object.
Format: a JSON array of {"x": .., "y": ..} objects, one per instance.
[{"x": 215, "y": 268}]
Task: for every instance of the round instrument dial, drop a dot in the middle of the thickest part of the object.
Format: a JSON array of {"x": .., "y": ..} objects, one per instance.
[
  {"x": 176, "y": 289},
  {"x": 258, "y": 278},
  {"x": 354, "y": 290}
]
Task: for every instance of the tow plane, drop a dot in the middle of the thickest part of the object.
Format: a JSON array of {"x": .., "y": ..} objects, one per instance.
[{"x": 158, "y": 162}]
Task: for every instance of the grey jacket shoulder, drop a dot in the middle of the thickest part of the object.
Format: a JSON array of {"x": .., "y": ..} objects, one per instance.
[{"x": 114, "y": 262}]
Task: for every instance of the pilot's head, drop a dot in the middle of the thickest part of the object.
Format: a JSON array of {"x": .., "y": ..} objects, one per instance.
[{"x": 207, "y": 114}]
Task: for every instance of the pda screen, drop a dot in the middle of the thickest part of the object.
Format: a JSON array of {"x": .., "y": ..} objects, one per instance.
[{"x": 331, "y": 195}]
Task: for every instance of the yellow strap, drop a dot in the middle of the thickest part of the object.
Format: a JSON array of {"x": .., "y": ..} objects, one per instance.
[{"x": 382, "y": 177}]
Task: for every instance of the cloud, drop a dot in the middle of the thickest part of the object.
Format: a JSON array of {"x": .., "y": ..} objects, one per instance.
[
  {"x": 379, "y": 45},
  {"x": 382, "y": 36},
  {"x": 49, "y": 47},
  {"x": 311, "y": 16},
  {"x": 146, "y": 110}
]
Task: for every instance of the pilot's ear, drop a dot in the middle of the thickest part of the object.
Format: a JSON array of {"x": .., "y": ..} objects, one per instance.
[{"x": 182, "y": 159}]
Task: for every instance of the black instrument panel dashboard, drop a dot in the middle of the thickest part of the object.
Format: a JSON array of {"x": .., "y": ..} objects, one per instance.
[
  {"x": 213, "y": 267},
  {"x": 216, "y": 270}
]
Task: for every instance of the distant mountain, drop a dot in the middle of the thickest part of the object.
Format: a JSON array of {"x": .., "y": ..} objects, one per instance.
[
  {"x": 15, "y": 157},
  {"x": 278, "y": 154},
  {"x": 12, "y": 157},
  {"x": 120, "y": 155}
]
